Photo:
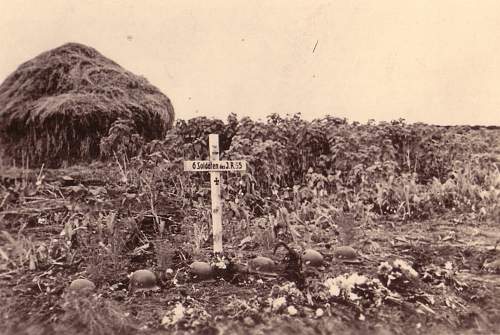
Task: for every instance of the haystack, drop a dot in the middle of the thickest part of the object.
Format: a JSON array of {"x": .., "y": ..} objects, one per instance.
[{"x": 56, "y": 107}]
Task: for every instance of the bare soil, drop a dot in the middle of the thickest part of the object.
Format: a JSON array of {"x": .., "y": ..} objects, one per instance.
[{"x": 456, "y": 292}]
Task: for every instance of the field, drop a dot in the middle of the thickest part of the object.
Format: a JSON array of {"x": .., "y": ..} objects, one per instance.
[{"x": 419, "y": 205}]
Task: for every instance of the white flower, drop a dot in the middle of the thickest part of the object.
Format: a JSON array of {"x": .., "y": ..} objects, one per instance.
[
  {"x": 174, "y": 316},
  {"x": 354, "y": 296},
  {"x": 319, "y": 313},
  {"x": 333, "y": 286},
  {"x": 220, "y": 264},
  {"x": 291, "y": 289},
  {"x": 178, "y": 312},
  {"x": 292, "y": 310},
  {"x": 355, "y": 279},
  {"x": 448, "y": 266},
  {"x": 278, "y": 303},
  {"x": 407, "y": 269},
  {"x": 334, "y": 290}
]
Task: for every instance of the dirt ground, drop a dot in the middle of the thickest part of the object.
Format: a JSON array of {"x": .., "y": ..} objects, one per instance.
[{"x": 456, "y": 289}]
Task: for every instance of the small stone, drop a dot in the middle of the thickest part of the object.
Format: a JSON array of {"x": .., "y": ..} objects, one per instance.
[
  {"x": 262, "y": 264},
  {"x": 292, "y": 311},
  {"x": 201, "y": 270},
  {"x": 345, "y": 252},
  {"x": 68, "y": 181},
  {"x": 248, "y": 321},
  {"x": 494, "y": 266},
  {"x": 82, "y": 285}
]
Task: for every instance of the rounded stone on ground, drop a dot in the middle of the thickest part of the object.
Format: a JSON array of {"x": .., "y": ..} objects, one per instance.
[
  {"x": 345, "y": 252},
  {"x": 262, "y": 264},
  {"x": 201, "y": 270},
  {"x": 143, "y": 279},
  {"x": 82, "y": 285},
  {"x": 312, "y": 257},
  {"x": 493, "y": 266},
  {"x": 248, "y": 321}
]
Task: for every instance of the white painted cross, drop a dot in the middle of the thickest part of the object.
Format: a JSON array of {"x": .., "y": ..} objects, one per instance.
[{"x": 215, "y": 167}]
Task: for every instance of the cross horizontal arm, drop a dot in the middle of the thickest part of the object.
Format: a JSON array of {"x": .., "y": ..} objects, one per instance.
[{"x": 213, "y": 166}]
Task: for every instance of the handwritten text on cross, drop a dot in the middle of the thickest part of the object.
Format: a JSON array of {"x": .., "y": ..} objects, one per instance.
[{"x": 215, "y": 167}]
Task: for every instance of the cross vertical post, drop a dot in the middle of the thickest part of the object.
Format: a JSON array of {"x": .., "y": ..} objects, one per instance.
[
  {"x": 215, "y": 181},
  {"x": 215, "y": 167}
]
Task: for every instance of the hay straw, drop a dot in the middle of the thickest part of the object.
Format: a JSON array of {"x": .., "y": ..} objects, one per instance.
[{"x": 56, "y": 107}]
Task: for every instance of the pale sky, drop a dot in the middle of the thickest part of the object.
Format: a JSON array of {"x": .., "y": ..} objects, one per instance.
[{"x": 433, "y": 61}]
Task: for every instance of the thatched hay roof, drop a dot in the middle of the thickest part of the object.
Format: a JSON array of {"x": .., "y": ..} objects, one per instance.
[{"x": 58, "y": 105}]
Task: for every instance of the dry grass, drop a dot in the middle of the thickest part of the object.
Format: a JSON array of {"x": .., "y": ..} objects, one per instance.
[
  {"x": 56, "y": 107},
  {"x": 95, "y": 315}
]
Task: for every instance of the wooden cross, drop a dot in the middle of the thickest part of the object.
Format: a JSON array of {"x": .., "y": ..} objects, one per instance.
[{"x": 215, "y": 167}]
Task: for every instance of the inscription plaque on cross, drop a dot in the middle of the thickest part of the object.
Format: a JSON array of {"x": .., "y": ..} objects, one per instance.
[{"x": 215, "y": 167}]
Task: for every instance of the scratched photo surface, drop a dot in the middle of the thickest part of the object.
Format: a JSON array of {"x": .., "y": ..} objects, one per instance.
[{"x": 249, "y": 167}]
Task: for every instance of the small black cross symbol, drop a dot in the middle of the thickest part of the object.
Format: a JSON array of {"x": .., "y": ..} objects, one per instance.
[{"x": 216, "y": 181}]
